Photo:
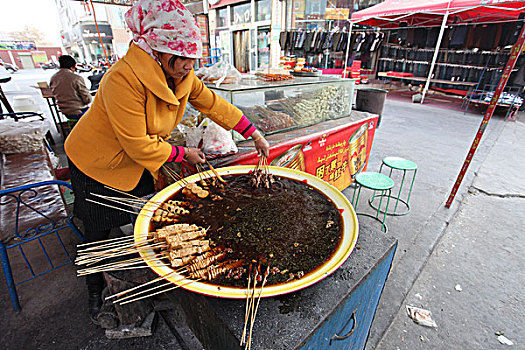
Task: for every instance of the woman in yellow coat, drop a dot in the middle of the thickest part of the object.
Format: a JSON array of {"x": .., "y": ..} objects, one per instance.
[{"x": 121, "y": 141}]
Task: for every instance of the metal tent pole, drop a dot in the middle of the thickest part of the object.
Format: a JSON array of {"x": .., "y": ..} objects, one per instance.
[
  {"x": 348, "y": 48},
  {"x": 436, "y": 54}
]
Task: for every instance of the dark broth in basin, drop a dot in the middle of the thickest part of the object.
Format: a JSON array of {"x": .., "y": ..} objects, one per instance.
[{"x": 293, "y": 227}]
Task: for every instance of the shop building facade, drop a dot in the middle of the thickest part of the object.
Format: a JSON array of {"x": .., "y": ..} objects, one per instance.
[
  {"x": 79, "y": 33},
  {"x": 247, "y": 33}
]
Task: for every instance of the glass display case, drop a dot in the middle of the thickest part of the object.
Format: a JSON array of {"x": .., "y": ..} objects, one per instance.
[{"x": 283, "y": 105}]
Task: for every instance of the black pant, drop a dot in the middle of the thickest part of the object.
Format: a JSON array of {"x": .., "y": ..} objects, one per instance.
[{"x": 95, "y": 281}]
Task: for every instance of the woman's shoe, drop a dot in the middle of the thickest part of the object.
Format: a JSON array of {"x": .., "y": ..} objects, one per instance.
[{"x": 94, "y": 306}]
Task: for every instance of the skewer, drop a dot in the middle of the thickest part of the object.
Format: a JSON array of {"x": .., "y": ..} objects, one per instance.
[
  {"x": 200, "y": 170},
  {"x": 120, "y": 191},
  {"x": 114, "y": 248},
  {"x": 119, "y": 201},
  {"x": 246, "y": 311},
  {"x": 252, "y": 302},
  {"x": 159, "y": 292},
  {"x": 105, "y": 240},
  {"x": 90, "y": 250},
  {"x": 174, "y": 175},
  {"x": 90, "y": 260},
  {"x": 216, "y": 173},
  {"x": 120, "y": 300},
  {"x": 113, "y": 207},
  {"x": 120, "y": 266},
  {"x": 252, "y": 321},
  {"x": 139, "y": 286},
  {"x": 109, "y": 265}
]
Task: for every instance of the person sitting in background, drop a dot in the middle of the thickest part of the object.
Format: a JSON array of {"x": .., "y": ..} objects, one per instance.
[{"x": 71, "y": 93}]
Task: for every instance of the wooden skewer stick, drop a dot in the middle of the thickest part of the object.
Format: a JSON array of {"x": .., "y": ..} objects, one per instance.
[
  {"x": 252, "y": 302},
  {"x": 118, "y": 201},
  {"x": 159, "y": 292},
  {"x": 216, "y": 173},
  {"x": 113, "y": 207},
  {"x": 252, "y": 321},
  {"x": 115, "y": 249},
  {"x": 120, "y": 300},
  {"x": 105, "y": 240},
  {"x": 111, "y": 245},
  {"x": 104, "y": 256},
  {"x": 109, "y": 265},
  {"x": 252, "y": 296},
  {"x": 174, "y": 175},
  {"x": 121, "y": 266},
  {"x": 246, "y": 310},
  {"x": 139, "y": 286}
]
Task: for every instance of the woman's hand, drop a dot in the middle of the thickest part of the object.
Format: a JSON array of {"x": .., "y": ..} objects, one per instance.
[
  {"x": 194, "y": 155},
  {"x": 261, "y": 145}
]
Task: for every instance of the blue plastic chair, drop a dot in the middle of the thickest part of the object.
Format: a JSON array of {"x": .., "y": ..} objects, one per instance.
[{"x": 20, "y": 196}]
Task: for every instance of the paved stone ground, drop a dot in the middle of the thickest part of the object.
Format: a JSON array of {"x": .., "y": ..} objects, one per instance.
[{"x": 481, "y": 251}]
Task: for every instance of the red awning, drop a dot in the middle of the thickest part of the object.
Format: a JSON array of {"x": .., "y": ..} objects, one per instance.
[{"x": 430, "y": 12}]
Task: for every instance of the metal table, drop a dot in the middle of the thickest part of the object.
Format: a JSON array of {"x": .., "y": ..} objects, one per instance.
[
  {"x": 47, "y": 94},
  {"x": 335, "y": 313}
]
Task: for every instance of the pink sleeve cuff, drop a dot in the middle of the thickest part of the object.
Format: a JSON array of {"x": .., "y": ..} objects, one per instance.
[
  {"x": 244, "y": 127},
  {"x": 177, "y": 154}
]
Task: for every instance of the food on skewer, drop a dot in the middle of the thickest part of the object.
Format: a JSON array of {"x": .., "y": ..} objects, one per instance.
[
  {"x": 212, "y": 272},
  {"x": 203, "y": 263}
]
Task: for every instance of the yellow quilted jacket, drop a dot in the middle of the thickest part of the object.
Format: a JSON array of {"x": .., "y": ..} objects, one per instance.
[{"x": 125, "y": 129}]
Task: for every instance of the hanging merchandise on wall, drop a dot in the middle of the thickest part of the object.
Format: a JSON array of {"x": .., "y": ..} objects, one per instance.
[{"x": 325, "y": 49}]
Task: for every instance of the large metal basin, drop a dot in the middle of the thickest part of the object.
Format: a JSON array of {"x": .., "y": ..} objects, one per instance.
[{"x": 345, "y": 248}]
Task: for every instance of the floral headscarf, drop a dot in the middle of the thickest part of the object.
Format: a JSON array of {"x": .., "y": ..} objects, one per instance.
[{"x": 165, "y": 26}]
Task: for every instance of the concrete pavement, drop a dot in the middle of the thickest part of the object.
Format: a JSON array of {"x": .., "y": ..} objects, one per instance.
[{"x": 481, "y": 252}]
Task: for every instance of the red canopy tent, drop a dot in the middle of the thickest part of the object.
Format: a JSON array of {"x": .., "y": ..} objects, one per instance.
[
  {"x": 429, "y": 13},
  {"x": 432, "y": 13}
]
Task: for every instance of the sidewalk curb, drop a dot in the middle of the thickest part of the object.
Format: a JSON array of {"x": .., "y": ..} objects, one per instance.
[{"x": 415, "y": 258}]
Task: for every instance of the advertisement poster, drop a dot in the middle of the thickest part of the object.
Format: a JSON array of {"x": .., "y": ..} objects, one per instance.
[{"x": 335, "y": 156}]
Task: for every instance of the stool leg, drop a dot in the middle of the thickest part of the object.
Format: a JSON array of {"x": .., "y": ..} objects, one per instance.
[
  {"x": 381, "y": 195},
  {"x": 8, "y": 273},
  {"x": 411, "y": 185},
  {"x": 381, "y": 167},
  {"x": 400, "y": 189},
  {"x": 357, "y": 200},
  {"x": 386, "y": 209}
]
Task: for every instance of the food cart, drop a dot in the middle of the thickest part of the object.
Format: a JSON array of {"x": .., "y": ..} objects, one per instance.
[{"x": 309, "y": 123}]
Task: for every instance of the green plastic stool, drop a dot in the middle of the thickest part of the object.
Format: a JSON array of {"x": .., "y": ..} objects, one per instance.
[
  {"x": 376, "y": 182},
  {"x": 405, "y": 165}
]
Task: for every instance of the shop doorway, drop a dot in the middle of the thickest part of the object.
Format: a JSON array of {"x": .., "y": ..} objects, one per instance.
[
  {"x": 241, "y": 51},
  {"x": 27, "y": 61},
  {"x": 263, "y": 47}
]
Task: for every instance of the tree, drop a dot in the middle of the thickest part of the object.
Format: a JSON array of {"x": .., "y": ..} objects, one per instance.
[{"x": 29, "y": 33}]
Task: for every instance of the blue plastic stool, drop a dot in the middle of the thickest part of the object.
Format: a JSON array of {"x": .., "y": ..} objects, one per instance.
[
  {"x": 404, "y": 165},
  {"x": 376, "y": 182}
]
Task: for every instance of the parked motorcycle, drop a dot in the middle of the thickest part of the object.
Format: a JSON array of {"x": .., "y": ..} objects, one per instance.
[
  {"x": 83, "y": 67},
  {"x": 48, "y": 65}
]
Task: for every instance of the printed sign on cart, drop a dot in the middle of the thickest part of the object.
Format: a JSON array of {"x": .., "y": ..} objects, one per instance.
[{"x": 336, "y": 156}]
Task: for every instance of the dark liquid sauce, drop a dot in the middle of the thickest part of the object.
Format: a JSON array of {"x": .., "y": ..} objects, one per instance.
[{"x": 293, "y": 226}]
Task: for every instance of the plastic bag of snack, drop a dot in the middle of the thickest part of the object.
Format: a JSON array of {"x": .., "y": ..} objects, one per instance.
[
  {"x": 21, "y": 136},
  {"x": 220, "y": 73},
  {"x": 211, "y": 138}
]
